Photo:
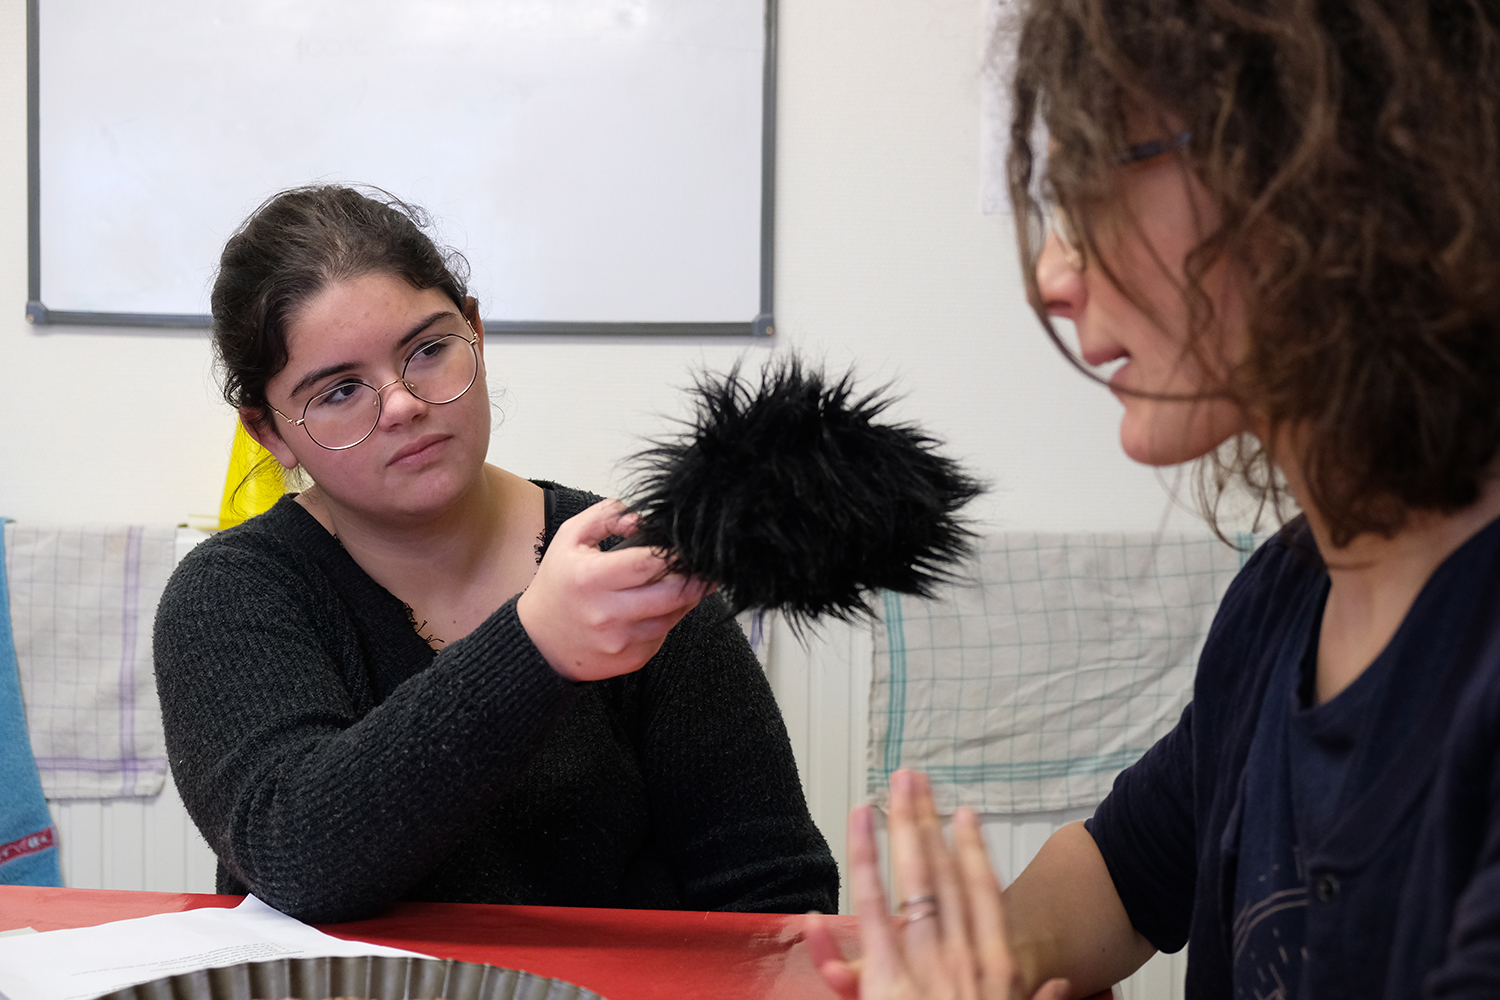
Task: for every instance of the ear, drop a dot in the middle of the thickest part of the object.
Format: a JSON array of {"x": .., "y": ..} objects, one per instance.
[
  {"x": 471, "y": 313},
  {"x": 260, "y": 427}
]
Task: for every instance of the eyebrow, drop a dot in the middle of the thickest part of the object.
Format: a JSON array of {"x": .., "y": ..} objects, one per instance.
[{"x": 314, "y": 377}]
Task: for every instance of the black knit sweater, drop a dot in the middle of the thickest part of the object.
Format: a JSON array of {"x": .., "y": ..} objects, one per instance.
[{"x": 335, "y": 763}]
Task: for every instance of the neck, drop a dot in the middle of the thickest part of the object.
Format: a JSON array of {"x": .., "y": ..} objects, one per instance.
[
  {"x": 1374, "y": 580},
  {"x": 438, "y": 553}
]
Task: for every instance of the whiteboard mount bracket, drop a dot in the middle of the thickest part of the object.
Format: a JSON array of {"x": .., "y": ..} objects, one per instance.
[{"x": 37, "y": 314}]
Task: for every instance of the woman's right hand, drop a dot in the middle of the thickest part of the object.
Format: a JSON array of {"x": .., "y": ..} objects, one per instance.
[
  {"x": 950, "y": 942},
  {"x": 595, "y": 614}
]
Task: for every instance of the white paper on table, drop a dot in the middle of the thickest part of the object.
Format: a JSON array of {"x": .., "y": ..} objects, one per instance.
[{"x": 91, "y": 961}]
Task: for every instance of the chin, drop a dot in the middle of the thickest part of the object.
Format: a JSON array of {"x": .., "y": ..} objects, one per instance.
[
  {"x": 1157, "y": 453},
  {"x": 1163, "y": 435},
  {"x": 430, "y": 497},
  {"x": 1160, "y": 455},
  {"x": 1154, "y": 457},
  {"x": 417, "y": 498},
  {"x": 1148, "y": 446}
]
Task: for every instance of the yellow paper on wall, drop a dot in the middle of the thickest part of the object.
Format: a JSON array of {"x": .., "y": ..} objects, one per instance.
[{"x": 254, "y": 482}]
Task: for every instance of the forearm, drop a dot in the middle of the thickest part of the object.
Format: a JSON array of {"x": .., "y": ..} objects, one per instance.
[
  {"x": 323, "y": 805},
  {"x": 1066, "y": 920},
  {"x": 371, "y": 811}
]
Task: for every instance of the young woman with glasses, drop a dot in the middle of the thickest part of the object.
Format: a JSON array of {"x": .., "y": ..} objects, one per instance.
[
  {"x": 422, "y": 677},
  {"x": 1279, "y": 224}
]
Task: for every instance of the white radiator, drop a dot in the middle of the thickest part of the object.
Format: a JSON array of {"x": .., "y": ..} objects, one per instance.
[{"x": 147, "y": 844}]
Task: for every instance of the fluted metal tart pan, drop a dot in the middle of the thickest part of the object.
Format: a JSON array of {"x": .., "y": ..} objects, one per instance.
[{"x": 365, "y": 978}]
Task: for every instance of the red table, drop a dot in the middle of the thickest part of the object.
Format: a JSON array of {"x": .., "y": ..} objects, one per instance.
[{"x": 619, "y": 954}]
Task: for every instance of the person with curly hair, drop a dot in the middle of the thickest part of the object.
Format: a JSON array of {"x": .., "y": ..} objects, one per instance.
[{"x": 1275, "y": 228}]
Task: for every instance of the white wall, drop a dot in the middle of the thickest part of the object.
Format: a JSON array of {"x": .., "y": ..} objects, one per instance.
[{"x": 882, "y": 259}]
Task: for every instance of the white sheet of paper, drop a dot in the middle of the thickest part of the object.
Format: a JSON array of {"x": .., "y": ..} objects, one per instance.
[{"x": 90, "y": 961}]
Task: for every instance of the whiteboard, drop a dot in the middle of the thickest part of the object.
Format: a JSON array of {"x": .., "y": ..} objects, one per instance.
[{"x": 602, "y": 164}]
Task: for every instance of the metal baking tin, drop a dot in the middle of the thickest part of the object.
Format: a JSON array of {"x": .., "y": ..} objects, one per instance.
[{"x": 371, "y": 978}]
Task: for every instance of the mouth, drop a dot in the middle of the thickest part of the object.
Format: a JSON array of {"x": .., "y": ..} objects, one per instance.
[
  {"x": 418, "y": 451},
  {"x": 1103, "y": 354}
]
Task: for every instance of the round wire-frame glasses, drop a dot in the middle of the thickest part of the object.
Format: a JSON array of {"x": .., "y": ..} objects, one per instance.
[{"x": 439, "y": 371}]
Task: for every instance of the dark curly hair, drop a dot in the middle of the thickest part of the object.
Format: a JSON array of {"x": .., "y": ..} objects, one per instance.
[
  {"x": 1352, "y": 150},
  {"x": 291, "y": 248}
]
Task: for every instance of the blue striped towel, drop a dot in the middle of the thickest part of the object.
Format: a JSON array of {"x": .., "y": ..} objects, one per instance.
[{"x": 28, "y": 843}]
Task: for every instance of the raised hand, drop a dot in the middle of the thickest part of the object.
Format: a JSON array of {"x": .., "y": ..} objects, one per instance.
[
  {"x": 949, "y": 941},
  {"x": 595, "y": 614}
]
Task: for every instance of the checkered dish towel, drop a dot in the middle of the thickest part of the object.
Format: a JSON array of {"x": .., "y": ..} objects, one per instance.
[
  {"x": 82, "y": 601},
  {"x": 1058, "y": 663}
]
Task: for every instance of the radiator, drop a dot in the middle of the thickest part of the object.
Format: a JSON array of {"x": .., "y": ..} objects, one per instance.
[{"x": 147, "y": 844}]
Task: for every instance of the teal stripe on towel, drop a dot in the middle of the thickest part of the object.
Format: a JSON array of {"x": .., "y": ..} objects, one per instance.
[
  {"x": 1031, "y": 770},
  {"x": 1245, "y": 542},
  {"x": 895, "y": 716}
]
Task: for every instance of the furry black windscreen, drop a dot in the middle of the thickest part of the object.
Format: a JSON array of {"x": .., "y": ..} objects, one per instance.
[{"x": 789, "y": 495}]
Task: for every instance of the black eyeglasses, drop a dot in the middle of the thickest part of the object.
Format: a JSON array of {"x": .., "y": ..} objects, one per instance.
[
  {"x": 1062, "y": 223},
  {"x": 439, "y": 371}
]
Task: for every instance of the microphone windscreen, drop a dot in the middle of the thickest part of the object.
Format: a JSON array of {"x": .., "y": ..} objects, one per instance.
[{"x": 788, "y": 493}]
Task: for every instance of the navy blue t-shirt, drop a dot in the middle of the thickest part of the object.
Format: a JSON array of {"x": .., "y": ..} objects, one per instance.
[
  {"x": 1342, "y": 850},
  {"x": 1301, "y": 773}
]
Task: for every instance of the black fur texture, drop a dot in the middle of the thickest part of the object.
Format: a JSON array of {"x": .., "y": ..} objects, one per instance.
[{"x": 789, "y": 495}]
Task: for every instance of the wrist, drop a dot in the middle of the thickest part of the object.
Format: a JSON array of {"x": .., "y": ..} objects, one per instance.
[{"x": 533, "y": 620}]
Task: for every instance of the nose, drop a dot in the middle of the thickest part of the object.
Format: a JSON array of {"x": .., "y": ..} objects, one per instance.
[
  {"x": 1059, "y": 279},
  {"x": 399, "y": 406}
]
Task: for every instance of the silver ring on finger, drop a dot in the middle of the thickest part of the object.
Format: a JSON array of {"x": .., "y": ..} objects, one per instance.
[{"x": 919, "y": 912}]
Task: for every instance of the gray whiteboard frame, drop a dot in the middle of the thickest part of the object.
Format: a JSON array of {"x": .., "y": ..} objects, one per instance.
[{"x": 761, "y": 326}]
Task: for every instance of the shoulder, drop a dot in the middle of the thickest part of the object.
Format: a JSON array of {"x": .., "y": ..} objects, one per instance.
[
  {"x": 1286, "y": 567},
  {"x": 286, "y": 534},
  {"x": 279, "y": 557},
  {"x": 565, "y": 502},
  {"x": 1478, "y": 654},
  {"x": 1281, "y": 580},
  {"x": 1268, "y": 608}
]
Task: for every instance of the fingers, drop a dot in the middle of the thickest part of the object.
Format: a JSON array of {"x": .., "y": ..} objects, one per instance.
[
  {"x": 638, "y": 569},
  {"x": 913, "y": 876},
  {"x": 594, "y": 525},
  {"x": 595, "y": 614},
  {"x": 957, "y": 955},
  {"x": 583, "y": 532},
  {"x": 952, "y": 943},
  {"x": 841, "y": 976},
  {"x": 996, "y": 970},
  {"x": 883, "y": 964},
  {"x": 671, "y": 596},
  {"x": 820, "y": 939}
]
